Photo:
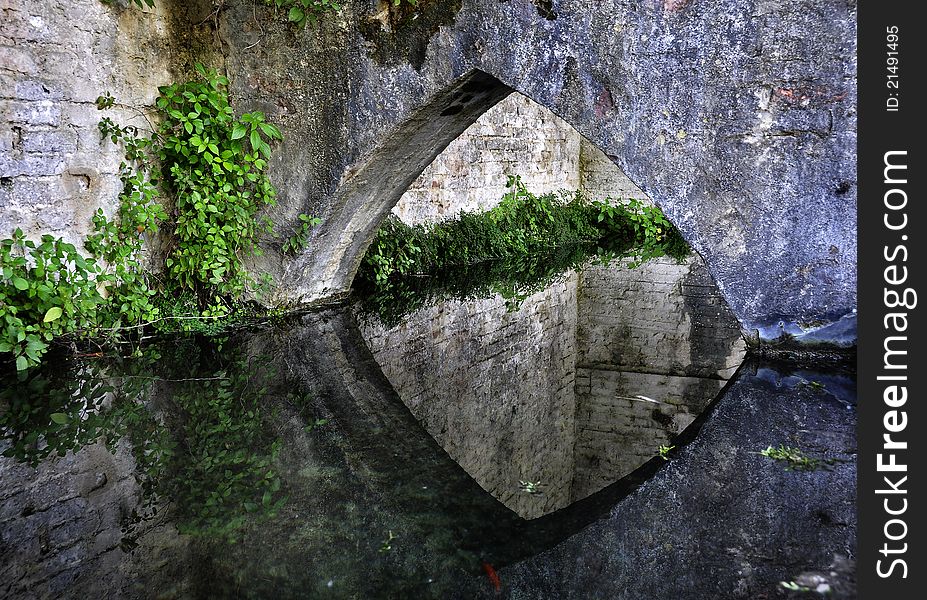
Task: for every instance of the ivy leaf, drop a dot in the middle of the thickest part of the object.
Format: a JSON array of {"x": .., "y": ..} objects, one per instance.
[
  {"x": 53, "y": 313},
  {"x": 270, "y": 131},
  {"x": 20, "y": 284},
  {"x": 22, "y": 364}
]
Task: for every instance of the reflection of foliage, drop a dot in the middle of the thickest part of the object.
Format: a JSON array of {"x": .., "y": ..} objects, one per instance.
[
  {"x": 514, "y": 279},
  {"x": 223, "y": 467},
  {"x": 515, "y": 250},
  {"x": 45, "y": 417},
  {"x": 207, "y": 454}
]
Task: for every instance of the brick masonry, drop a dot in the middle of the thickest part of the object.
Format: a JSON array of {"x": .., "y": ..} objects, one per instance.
[
  {"x": 515, "y": 137},
  {"x": 494, "y": 387},
  {"x": 55, "y": 59},
  {"x": 551, "y": 392},
  {"x": 61, "y": 529},
  {"x": 659, "y": 331}
]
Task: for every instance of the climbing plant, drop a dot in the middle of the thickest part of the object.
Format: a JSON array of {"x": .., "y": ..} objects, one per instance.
[
  {"x": 199, "y": 177},
  {"x": 214, "y": 167}
]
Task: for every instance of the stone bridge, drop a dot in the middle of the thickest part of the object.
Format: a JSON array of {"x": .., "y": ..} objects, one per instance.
[{"x": 737, "y": 117}]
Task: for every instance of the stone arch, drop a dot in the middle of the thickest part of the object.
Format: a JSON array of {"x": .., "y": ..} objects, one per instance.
[
  {"x": 371, "y": 188},
  {"x": 734, "y": 118}
]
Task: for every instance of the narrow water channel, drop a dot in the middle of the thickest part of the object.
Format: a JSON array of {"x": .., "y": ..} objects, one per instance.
[{"x": 599, "y": 437}]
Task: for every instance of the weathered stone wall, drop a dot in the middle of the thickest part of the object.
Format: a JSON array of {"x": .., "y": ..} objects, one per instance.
[
  {"x": 56, "y": 58},
  {"x": 494, "y": 388},
  {"x": 737, "y": 118},
  {"x": 660, "y": 317},
  {"x": 515, "y": 137},
  {"x": 576, "y": 389},
  {"x": 744, "y": 132},
  {"x": 655, "y": 344},
  {"x": 600, "y": 178},
  {"x": 617, "y": 430},
  {"x": 62, "y": 528}
]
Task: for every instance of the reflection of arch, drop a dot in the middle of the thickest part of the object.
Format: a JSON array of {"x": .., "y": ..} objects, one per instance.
[
  {"x": 370, "y": 189},
  {"x": 395, "y": 453}
]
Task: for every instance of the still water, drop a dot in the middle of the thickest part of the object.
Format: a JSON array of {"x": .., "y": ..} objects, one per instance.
[{"x": 597, "y": 437}]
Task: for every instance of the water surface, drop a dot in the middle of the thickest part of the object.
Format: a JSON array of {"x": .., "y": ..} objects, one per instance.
[{"x": 335, "y": 455}]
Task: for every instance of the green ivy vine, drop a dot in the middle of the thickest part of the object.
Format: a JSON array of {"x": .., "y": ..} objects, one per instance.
[
  {"x": 199, "y": 179},
  {"x": 214, "y": 167}
]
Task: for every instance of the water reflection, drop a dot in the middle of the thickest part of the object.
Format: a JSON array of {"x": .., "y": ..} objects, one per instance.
[
  {"x": 281, "y": 463},
  {"x": 273, "y": 464},
  {"x": 550, "y": 399}
]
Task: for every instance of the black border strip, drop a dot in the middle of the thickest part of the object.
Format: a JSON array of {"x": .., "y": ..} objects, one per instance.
[{"x": 891, "y": 105}]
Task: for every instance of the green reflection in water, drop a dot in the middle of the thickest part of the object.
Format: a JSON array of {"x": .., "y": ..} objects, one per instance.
[
  {"x": 514, "y": 279},
  {"x": 194, "y": 421}
]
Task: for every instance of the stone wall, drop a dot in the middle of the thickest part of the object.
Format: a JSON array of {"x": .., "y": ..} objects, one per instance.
[
  {"x": 56, "y": 58},
  {"x": 661, "y": 317},
  {"x": 576, "y": 389},
  {"x": 61, "y": 530},
  {"x": 494, "y": 387},
  {"x": 600, "y": 178},
  {"x": 756, "y": 168},
  {"x": 515, "y": 137},
  {"x": 655, "y": 344}
]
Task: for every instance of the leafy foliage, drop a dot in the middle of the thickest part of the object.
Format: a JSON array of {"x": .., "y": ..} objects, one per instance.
[
  {"x": 206, "y": 163},
  {"x": 208, "y": 455},
  {"x": 664, "y": 451},
  {"x": 215, "y": 169},
  {"x": 47, "y": 289},
  {"x": 118, "y": 241},
  {"x": 521, "y": 224},
  {"x": 300, "y": 12},
  {"x": 795, "y": 459},
  {"x": 514, "y": 279}
]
